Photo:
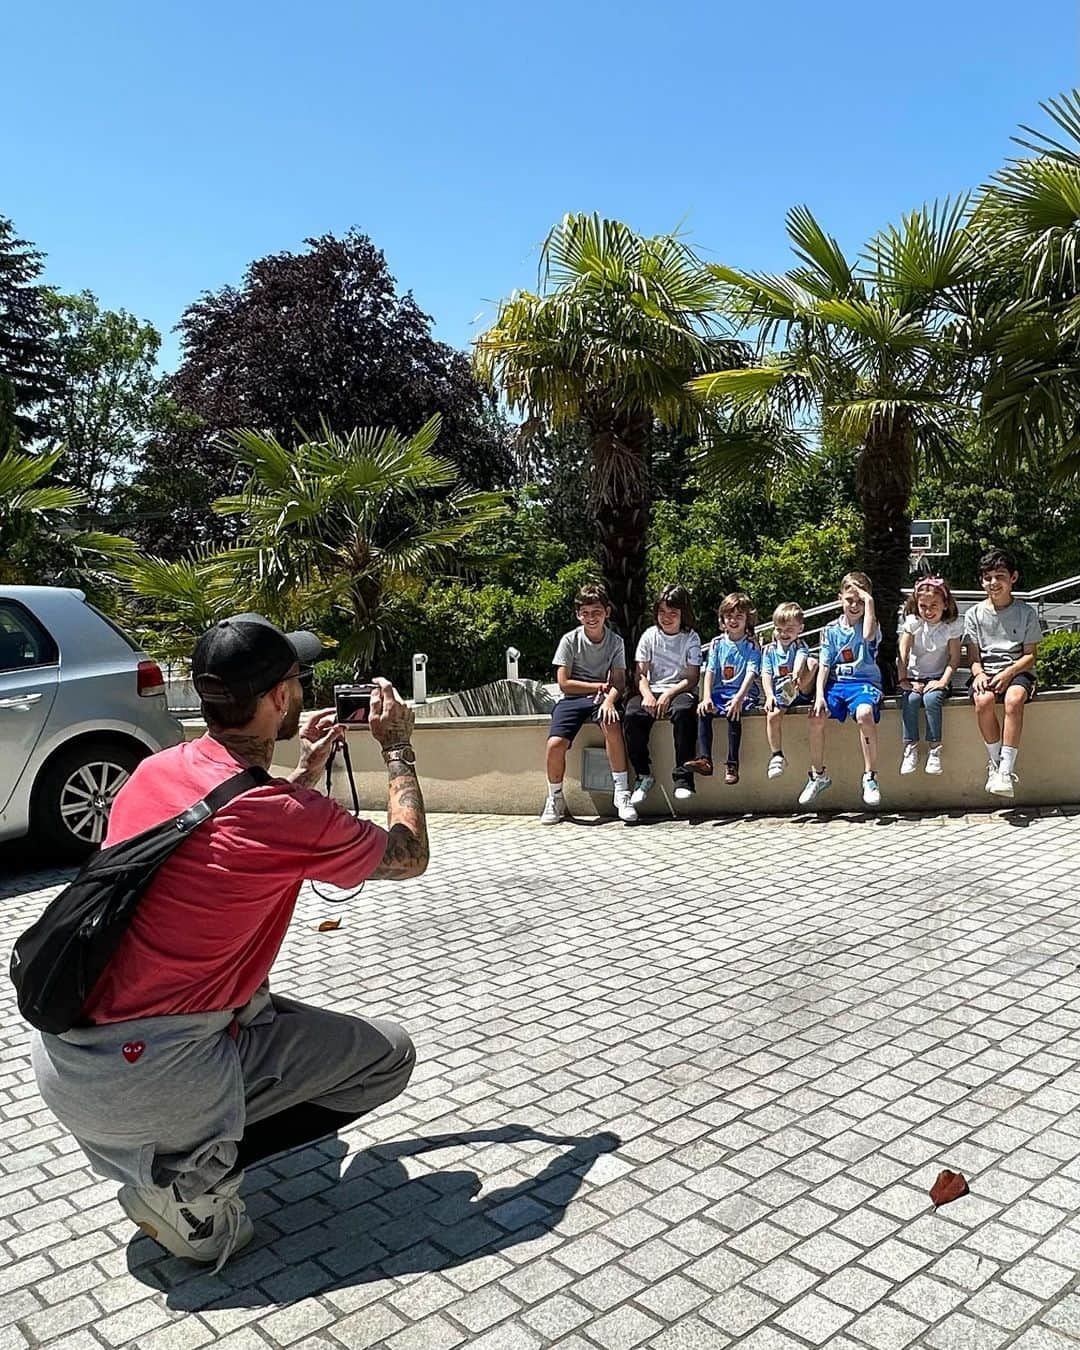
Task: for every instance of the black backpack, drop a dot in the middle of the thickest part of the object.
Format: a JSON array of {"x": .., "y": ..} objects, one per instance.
[{"x": 58, "y": 960}]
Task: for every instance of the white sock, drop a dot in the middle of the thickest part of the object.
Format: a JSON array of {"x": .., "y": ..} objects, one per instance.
[
  {"x": 621, "y": 781},
  {"x": 554, "y": 790},
  {"x": 1008, "y": 758},
  {"x": 993, "y": 749}
]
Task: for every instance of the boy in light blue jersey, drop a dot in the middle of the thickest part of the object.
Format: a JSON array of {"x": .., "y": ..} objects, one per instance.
[
  {"x": 787, "y": 677},
  {"x": 730, "y": 687},
  {"x": 848, "y": 682}
]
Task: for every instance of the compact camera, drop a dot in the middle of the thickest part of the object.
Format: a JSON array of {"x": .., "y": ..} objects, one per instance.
[{"x": 353, "y": 704}]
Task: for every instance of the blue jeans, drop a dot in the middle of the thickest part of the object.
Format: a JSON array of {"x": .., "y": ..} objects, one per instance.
[{"x": 911, "y": 702}]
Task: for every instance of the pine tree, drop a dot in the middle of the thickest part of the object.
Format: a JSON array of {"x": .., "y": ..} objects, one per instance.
[{"x": 25, "y": 350}]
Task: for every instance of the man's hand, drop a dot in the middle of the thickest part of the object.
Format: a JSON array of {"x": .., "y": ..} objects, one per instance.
[
  {"x": 905, "y": 683},
  {"x": 999, "y": 681},
  {"x": 319, "y": 734},
  {"x": 980, "y": 683},
  {"x": 391, "y": 720},
  {"x": 931, "y": 685}
]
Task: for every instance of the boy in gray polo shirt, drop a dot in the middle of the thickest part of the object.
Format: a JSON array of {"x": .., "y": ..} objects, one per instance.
[
  {"x": 1001, "y": 635},
  {"x": 591, "y": 666}
]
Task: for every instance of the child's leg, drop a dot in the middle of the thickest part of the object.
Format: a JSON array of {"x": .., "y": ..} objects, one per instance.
[
  {"x": 704, "y": 736},
  {"x": 815, "y": 733},
  {"x": 910, "y": 701},
  {"x": 986, "y": 715},
  {"x": 556, "y": 758},
  {"x": 774, "y": 724},
  {"x": 864, "y": 717},
  {"x": 1015, "y": 698},
  {"x": 615, "y": 747},
  {"x": 637, "y": 726},
  {"x": 734, "y": 739},
  {"x": 933, "y": 702},
  {"x": 805, "y": 673},
  {"x": 684, "y": 730}
]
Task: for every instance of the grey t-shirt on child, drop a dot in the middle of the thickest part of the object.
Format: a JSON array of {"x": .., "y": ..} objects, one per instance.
[
  {"x": 590, "y": 660},
  {"x": 1001, "y": 634}
]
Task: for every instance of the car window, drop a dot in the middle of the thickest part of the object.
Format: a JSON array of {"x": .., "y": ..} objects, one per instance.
[
  {"x": 115, "y": 627},
  {"x": 23, "y": 641}
]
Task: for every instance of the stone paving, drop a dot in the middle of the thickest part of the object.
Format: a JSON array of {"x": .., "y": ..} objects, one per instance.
[{"x": 680, "y": 1086}]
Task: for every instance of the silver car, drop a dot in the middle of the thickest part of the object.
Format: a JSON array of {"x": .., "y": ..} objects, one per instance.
[{"x": 80, "y": 705}]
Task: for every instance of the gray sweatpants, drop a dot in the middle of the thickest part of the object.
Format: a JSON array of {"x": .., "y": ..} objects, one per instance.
[{"x": 165, "y": 1100}]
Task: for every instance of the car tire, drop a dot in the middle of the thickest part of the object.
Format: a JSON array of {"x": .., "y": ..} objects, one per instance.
[{"x": 74, "y": 794}]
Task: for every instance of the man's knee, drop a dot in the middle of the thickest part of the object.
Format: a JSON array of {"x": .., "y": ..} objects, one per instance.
[
  {"x": 1015, "y": 698},
  {"x": 986, "y": 698}
]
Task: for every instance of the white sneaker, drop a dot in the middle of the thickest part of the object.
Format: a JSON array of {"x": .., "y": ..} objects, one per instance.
[
  {"x": 554, "y": 809},
  {"x": 933, "y": 760},
  {"x": 683, "y": 794},
  {"x": 871, "y": 793},
  {"x": 642, "y": 788},
  {"x": 992, "y": 770},
  {"x": 777, "y": 765},
  {"x": 624, "y": 809},
  {"x": 910, "y": 759},
  {"x": 816, "y": 784},
  {"x": 209, "y": 1228},
  {"x": 1001, "y": 785}
]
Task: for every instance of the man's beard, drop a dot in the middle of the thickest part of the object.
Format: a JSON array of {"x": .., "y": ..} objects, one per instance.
[{"x": 290, "y": 723}]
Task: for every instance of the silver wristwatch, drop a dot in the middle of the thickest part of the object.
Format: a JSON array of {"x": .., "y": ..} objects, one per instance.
[{"x": 401, "y": 754}]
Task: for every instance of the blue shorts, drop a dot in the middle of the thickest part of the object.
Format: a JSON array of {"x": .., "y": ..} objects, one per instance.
[
  {"x": 847, "y": 696},
  {"x": 721, "y": 701},
  {"x": 570, "y": 714}
]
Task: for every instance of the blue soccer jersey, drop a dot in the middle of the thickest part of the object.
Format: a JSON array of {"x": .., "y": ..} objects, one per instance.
[
  {"x": 849, "y": 655},
  {"x": 729, "y": 662},
  {"x": 778, "y": 662}
]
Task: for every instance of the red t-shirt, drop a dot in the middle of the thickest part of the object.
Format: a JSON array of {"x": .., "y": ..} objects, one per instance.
[{"x": 207, "y": 930}]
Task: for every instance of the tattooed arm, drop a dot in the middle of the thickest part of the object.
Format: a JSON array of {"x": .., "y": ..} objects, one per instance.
[{"x": 407, "y": 847}]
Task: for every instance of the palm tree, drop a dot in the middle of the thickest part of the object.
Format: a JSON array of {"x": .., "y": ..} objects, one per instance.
[
  {"x": 621, "y": 324},
  {"x": 342, "y": 521},
  {"x": 1029, "y": 215},
  {"x": 883, "y": 354}
]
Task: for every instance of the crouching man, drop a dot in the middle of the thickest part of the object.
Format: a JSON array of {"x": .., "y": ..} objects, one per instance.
[{"x": 188, "y": 1069}]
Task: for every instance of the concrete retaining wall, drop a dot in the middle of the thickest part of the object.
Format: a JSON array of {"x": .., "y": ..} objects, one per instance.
[{"x": 496, "y": 765}]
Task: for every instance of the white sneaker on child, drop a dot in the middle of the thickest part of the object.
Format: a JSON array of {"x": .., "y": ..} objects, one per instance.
[
  {"x": 933, "y": 760},
  {"x": 209, "y": 1228},
  {"x": 816, "y": 784},
  {"x": 910, "y": 760},
  {"x": 777, "y": 765},
  {"x": 991, "y": 774},
  {"x": 644, "y": 785},
  {"x": 871, "y": 793},
  {"x": 623, "y": 807},
  {"x": 683, "y": 793},
  {"x": 554, "y": 809},
  {"x": 1001, "y": 784}
]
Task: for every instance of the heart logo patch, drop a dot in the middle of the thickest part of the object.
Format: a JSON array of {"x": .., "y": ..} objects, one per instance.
[{"x": 131, "y": 1050}]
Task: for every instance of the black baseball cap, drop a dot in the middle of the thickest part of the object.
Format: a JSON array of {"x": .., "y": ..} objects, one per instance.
[{"x": 244, "y": 657}]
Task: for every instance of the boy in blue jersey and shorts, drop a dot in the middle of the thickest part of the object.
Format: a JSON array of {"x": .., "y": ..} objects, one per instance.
[
  {"x": 848, "y": 683},
  {"x": 787, "y": 677}
]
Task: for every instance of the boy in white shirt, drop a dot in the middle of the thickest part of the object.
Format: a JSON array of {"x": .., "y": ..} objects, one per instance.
[{"x": 1001, "y": 635}]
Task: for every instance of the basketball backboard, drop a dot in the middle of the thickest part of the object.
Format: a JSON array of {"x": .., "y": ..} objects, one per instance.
[{"x": 930, "y": 538}]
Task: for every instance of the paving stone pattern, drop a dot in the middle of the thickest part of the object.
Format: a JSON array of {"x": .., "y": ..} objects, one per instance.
[{"x": 680, "y": 1086}]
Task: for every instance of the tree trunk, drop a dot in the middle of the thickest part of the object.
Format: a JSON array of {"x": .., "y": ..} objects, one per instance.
[
  {"x": 884, "y": 480},
  {"x": 620, "y": 508}
]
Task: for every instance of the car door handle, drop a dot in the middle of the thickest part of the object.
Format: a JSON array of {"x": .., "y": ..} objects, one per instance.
[{"x": 20, "y": 702}]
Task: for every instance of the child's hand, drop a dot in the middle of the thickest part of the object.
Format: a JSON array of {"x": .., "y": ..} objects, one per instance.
[
  {"x": 650, "y": 703},
  {"x": 705, "y": 708},
  {"x": 734, "y": 711},
  {"x": 608, "y": 713},
  {"x": 820, "y": 706},
  {"x": 663, "y": 705},
  {"x": 864, "y": 596},
  {"x": 770, "y": 704}
]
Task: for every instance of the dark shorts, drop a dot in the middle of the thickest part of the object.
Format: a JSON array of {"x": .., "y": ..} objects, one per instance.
[
  {"x": 1025, "y": 680},
  {"x": 847, "y": 696},
  {"x": 570, "y": 714}
]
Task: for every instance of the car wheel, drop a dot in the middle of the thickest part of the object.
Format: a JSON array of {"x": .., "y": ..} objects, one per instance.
[{"x": 75, "y": 794}]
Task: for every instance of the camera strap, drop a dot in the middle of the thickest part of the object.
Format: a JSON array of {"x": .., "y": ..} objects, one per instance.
[{"x": 343, "y": 746}]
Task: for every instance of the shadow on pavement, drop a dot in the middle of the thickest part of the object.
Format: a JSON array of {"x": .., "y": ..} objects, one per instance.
[{"x": 379, "y": 1223}]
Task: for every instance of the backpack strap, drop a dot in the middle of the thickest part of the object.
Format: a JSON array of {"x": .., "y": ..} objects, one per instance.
[{"x": 251, "y": 777}]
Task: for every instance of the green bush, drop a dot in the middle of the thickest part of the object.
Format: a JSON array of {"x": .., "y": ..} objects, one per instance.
[{"x": 1057, "y": 661}]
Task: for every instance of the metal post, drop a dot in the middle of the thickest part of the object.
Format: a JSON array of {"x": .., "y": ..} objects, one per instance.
[
  {"x": 419, "y": 677},
  {"x": 513, "y": 656}
]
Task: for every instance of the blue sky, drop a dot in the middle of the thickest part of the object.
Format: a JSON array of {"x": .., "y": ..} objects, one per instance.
[{"x": 153, "y": 150}]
